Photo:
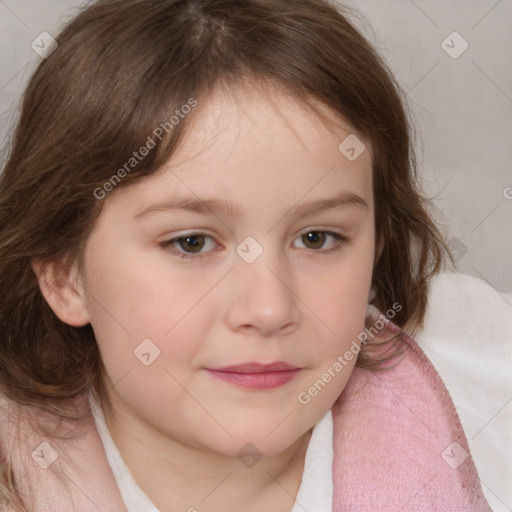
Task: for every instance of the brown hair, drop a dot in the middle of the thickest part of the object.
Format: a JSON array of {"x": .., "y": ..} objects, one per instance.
[{"x": 122, "y": 68}]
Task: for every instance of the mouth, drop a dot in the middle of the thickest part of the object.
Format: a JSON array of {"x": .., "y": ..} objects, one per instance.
[{"x": 257, "y": 375}]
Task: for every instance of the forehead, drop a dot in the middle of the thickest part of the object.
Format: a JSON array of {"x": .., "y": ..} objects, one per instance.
[
  {"x": 261, "y": 114},
  {"x": 260, "y": 146}
]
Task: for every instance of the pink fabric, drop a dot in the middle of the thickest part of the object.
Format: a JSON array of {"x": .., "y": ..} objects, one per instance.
[
  {"x": 399, "y": 443},
  {"x": 391, "y": 429}
]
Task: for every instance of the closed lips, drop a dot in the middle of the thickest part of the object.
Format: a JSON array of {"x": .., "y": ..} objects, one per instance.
[{"x": 257, "y": 375}]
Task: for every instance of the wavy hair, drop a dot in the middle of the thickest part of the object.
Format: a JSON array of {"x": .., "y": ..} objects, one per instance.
[{"x": 122, "y": 68}]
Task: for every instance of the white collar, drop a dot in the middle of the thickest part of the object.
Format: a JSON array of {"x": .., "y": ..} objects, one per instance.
[{"x": 315, "y": 491}]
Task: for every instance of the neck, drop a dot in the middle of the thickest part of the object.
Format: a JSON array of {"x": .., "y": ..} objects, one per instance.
[{"x": 179, "y": 477}]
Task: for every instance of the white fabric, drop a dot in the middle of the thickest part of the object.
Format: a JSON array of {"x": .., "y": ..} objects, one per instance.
[
  {"x": 315, "y": 491},
  {"x": 134, "y": 498},
  {"x": 468, "y": 338}
]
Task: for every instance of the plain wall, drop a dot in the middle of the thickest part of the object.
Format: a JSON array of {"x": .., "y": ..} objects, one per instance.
[{"x": 462, "y": 107}]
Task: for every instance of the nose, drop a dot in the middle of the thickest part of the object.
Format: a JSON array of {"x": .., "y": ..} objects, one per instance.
[{"x": 262, "y": 298}]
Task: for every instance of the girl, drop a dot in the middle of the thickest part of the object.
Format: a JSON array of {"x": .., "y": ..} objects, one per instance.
[{"x": 212, "y": 246}]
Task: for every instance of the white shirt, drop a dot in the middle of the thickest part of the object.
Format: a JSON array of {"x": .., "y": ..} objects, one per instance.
[{"x": 315, "y": 491}]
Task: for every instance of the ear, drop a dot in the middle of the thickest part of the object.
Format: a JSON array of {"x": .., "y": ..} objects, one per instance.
[{"x": 63, "y": 291}]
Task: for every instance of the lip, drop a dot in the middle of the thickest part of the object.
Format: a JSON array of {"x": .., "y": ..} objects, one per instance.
[{"x": 257, "y": 375}]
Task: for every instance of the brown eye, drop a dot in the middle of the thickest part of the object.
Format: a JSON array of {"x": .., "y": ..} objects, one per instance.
[
  {"x": 323, "y": 242},
  {"x": 192, "y": 246},
  {"x": 314, "y": 239},
  {"x": 193, "y": 243}
]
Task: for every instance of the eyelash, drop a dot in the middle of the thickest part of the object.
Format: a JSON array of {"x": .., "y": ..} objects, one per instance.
[{"x": 340, "y": 239}]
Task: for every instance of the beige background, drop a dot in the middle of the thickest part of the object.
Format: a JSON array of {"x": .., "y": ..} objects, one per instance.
[{"x": 463, "y": 111}]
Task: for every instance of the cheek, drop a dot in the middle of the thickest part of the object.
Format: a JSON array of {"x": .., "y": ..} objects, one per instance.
[
  {"x": 150, "y": 337},
  {"x": 133, "y": 300},
  {"x": 342, "y": 321},
  {"x": 341, "y": 292},
  {"x": 337, "y": 344},
  {"x": 339, "y": 299}
]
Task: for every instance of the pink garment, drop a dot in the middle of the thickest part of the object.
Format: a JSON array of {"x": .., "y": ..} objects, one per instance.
[
  {"x": 398, "y": 446},
  {"x": 399, "y": 443}
]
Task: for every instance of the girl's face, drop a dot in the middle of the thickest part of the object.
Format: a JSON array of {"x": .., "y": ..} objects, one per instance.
[{"x": 229, "y": 257}]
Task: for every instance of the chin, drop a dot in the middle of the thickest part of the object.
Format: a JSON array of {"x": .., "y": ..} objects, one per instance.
[{"x": 257, "y": 443}]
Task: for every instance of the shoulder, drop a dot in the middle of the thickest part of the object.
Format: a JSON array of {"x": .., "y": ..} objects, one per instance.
[
  {"x": 8, "y": 419},
  {"x": 46, "y": 462},
  {"x": 398, "y": 431}
]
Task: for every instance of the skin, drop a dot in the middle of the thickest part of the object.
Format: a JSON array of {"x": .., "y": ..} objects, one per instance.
[{"x": 178, "y": 428}]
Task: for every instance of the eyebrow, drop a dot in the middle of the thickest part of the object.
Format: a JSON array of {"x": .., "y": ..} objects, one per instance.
[{"x": 216, "y": 206}]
